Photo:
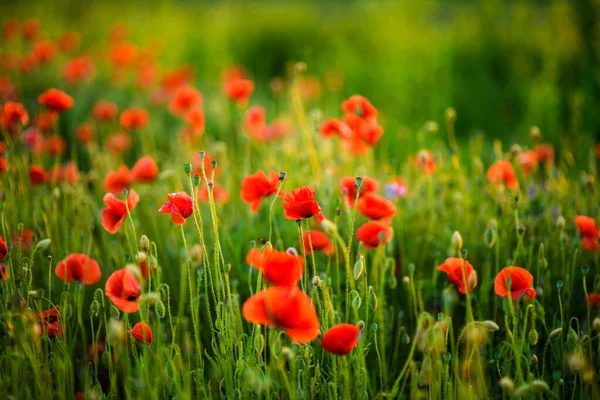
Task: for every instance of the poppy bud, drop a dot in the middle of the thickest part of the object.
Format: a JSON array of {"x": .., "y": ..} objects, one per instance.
[
  {"x": 227, "y": 268},
  {"x": 533, "y": 337},
  {"x": 596, "y": 324},
  {"x": 540, "y": 386},
  {"x": 288, "y": 353},
  {"x": 359, "y": 267},
  {"x": 572, "y": 336},
  {"x": 34, "y": 294},
  {"x": 490, "y": 325},
  {"x": 560, "y": 223},
  {"x": 316, "y": 281},
  {"x": 447, "y": 357},
  {"x": 114, "y": 311},
  {"x": 507, "y": 385},
  {"x": 259, "y": 343},
  {"x": 328, "y": 227},
  {"x": 196, "y": 253},
  {"x": 56, "y": 194},
  {"x": 431, "y": 126},
  {"x": 457, "y": 240},
  {"x": 159, "y": 308},
  {"x": 20, "y": 226},
  {"x": 116, "y": 331},
  {"x": 356, "y": 300},
  {"x": 450, "y": 115},
  {"x": 187, "y": 168},
  {"x": 374, "y": 327},
  {"x": 94, "y": 308},
  {"x": 150, "y": 298},
  {"x": 196, "y": 180},
  {"x": 372, "y": 298},
  {"x": 210, "y": 186},
  {"x": 43, "y": 245},
  {"x": 300, "y": 67},
  {"x": 534, "y": 359},
  {"x": 535, "y": 133},
  {"x": 361, "y": 324},
  {"x": 585, "y": 269},
  {"x": 555, "y": 334},
  {"x": 145, "y": 243}
]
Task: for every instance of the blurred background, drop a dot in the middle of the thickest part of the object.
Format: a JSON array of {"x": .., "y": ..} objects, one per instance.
[{"x": 503, "y": 65}]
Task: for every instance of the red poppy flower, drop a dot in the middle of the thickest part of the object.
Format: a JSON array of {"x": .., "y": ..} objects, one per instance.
[
  {"x": 502, "y": 173},
  {"x": 340, "y": 339},
  {"x": 123, "y": 54},
  {"x": 69, "y": 41},
  {"x": 521, "y": 282},
  {"x": 528, "y": 160},
  {"x": 220, "y": 194},
  {"x": 255, "y": 120},
  {"x": 55, "y": 100},
  {"x": 334, "y": 127},
  {"x": 364, "y": 130},
  {"x": 85, "y": 133},
  {"x": 545, "y": 153},
  {"x": 24, "y": 238},
  {"x": 116, "y": 181},
  {"x": 10, "y": 29},
  {"x": 56, "y": 145},
  {"x": 63, "y": 174},
  {"x": 13, "y": 115},
  {"x": 258, "y": 186},
  {"x": 590, "y": 244},
  {"x": 425, "y": 161},
  {"x": 286, "y": 308},
  {"x": 454, "y": 268},
  {"x": 133, "y": 118},
  {"x": 144, "y": 170},
  {"x": 33, "y": 139},
  {"x": 374, "y": 206},
  {"x": 3, "y": 249},
  {"x": 27, "y": 63},
  {"x": 281, "y": 268},
  {"x": 105, "y": 111},
  {"x": 237, "y": 87},
  {"x": 142, "y": 333},
  {"x": 300, "y": 203},
  {"x": 118, "y": 143},
  {"x": 146, "y": 267},
  {"x": 78, "y": 267},
  {"x": 359, "y": 106},
  {"x": 593, "y": 299},
  {"x": 586, "y": 226},
  {"x": 349, "y": 189},
  {"x": 116, "y": 210},
  {"x": 45, "y": 120},
  {"x": 195, "y": 120},
  {"x": 31, "y": 29},
  {"x": 79, "y": 69},
  {"x": 123, "y": 289},
  {"x": 319, "y": 241},
  {"x": 180, "y": 206},
  {"x": 49, "y": 322},
  {"x": 3, "y": 272},
  {"x": 276, "y": 130},
  {"x": 184, "y": 99},
  {"x": 374, "y": 234},
  {"x": 45, "y": 51}
]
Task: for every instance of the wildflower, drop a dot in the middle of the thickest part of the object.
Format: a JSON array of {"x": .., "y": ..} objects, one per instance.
[
  {"x": 23, "y": 238},
  {"x": 454, "y": 268},
  {"x": 31, "y": 29},
  {"x": 146, "y": 266},
  {"x": 85, "y": 133},
  {"x": 78, "y": 267},
  {"x": 46, "y": 119},
  {"x": 180, "y": 206},
  {"x": 237, "y": 87},
  {"x": 104, "y": 111},
  {"x": 592, "y": 299},
  {"x": 13, "y": 116},
  {"x": 286, "y": 308},
  {"x": 220, "y": 194},
  {"x": 123, "y": 54},
  {"x": 258, "y": 186},
  {"x": 142, "y": 333},
  {"x": 349, "y": 189},
  {"x": 502, "y": 173},
  {"x": 49, "y": 322},
  {"x": 545, "y": 153},
  {"x": 281, "y": 268},
  {"x": 118, "y": 143},
  {"x": 528, "y": 160},
  {"x": 396, "y": 189},
  {"x": 195, "y": 120},
  {"x": 335, "y": 127},
  {"x": 197, "y": 162},
  {"x": 63, "y": 174},
  {"x": 134, "y": 118},
  {"x": 517, "y": 280},
  {"x": 144, "y": 170},
  {"x": 374, "y": 234},
  {"x": 123, "y": 289},
  {"x": 116, "y": 181},
  {"x": 45, "y": 51},
  {"x": 318, "y": 241},
  {"x": 255, "y": 120},
  {"x": 10, "y": 29},
  {"x": 116, "y": 210},
  {"x": 425, "y": 162},
  {"x": 56, "y": 145},
  {"x": 33, "y": 140},
  {"x": 3, "y": 249},
  {"x": 69, "y": 41},
  {"x": 377, "y": 207},
  {"x": 300, "y": 203},
  {"x": 586, "y": 226},
  {"x": 184, "y": 99},
  {"x": 55, "y": 100},
  {"x": 78, "y": 69},
  {"x": 359, "y": 107},
  {"x": 341, "y": 339}
]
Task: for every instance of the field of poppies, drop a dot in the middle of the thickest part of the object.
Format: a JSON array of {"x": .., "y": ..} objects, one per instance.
[{"x": 166, "y": 235}]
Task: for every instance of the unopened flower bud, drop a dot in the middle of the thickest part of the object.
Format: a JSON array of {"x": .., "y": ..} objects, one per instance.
[
  {"x": 457, "y": 240},
  {"x": 145, "y": 243}
]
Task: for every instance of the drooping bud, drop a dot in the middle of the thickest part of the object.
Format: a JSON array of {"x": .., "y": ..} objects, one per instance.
[
  {"x": 145, "y": 243},
  {"x": 359, "y": 267}
]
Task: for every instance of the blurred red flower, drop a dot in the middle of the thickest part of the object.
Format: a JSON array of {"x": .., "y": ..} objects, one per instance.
[
  {"x": 142, "y": 333},
  {"x": 144, "y": 170},
  {"x": 49, "y": 322},
  {"x": 280, "y": 268},
  {"x": 55, "y": 100},
  {"x": 318, "y": 241},
  {"x": 349, "y": 190},
  {"x": 105, "y": 111},
  {"x": 374, "y": 206},
  {"x": 374, "y": 234},
  {"x": 502, "y": 173},
  {"x": 116, "y": 181},
  {"x": 37, "y": 175},
  {"x": 78, "y": 69},
  {"x": 134, "y": 118},
  {"x": 118, "y": 143},
  {"x": 184, "y": 99},
  {"x": 341, "y": 339},
  {"x": 78, "y": 267}
]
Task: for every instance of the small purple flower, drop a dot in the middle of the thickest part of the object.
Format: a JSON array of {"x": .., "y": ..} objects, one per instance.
[{"x": 396, "y": 189}]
